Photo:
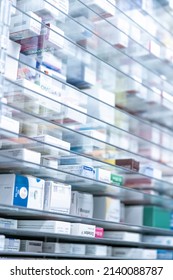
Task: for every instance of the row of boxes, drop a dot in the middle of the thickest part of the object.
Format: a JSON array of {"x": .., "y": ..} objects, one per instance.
[
  {"x": 86, "y": 230},
  {"x": 32, "y": 246},
  {"x": 35, "y": 193}
]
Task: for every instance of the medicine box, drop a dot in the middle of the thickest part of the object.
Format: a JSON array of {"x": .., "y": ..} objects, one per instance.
[
  {"x": 73, "y": 160},
  {"x": 164, "y": 255},
  {"x": 116, "y": 179},
  {"x": 25, "y": 26},
  {"x": 57, "y": 248},
  {"x": 81, "y": 170},
  {"x": 25, "y": 191},
  {"x": 49, "y": 162},
  {"x": 57, "y": 197},
  {"x": 12, "y": 244},
  {"x": 103, "y": 8},
  {"x": 161, "y": 240},
  {"x": 51, "y": 37},
  {"x": 99, "y": 232},
  {"x": 134, "y": 253},
  {"x": 31, "y": 246},
  {"x": 45, "y": 226},
  {"x": 107, "y": 208},
  {"x": 45, "y": 147},
  {"x": 123, "y": 236},
  {"x": 78, "y": 249},
  {"x": 8, "y": 223},
  {"x": 103, "y": 175},
  {"x": 80, "y": 75},
  {"x": 45, "y": 9},
  {"x": 151, "y": 216},
  {"x": 2, "y": 242},
  {"x": 75, "y": 114},
  {"x": 9, "y": 124},
  {"x": 11, "y": 65},
  {"x": 82, "y": 204},
  {"x": 98, "y": 250},
  {"x": 83, "y": 230},
  {"x": 23, "y": 155}
]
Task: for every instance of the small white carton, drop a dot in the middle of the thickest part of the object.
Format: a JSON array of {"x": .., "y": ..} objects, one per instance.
[
  {"x": 45, "y": 9},
  {"x": 8, "y": 223},
  {"x": 25, "y": 26},
  {"x": 9, "y": 124},
  {"x": 83, "y": 230},
  {"x": 98, "y": 250},
  {"x": 57, "y": 248},
  {"x": 12, "y": 244},
  {"x": 57, "y": 197},
  {"x": 82, "y": 204},
  {"x": 78, "y": 249},
  {"x": 103, "y": 175},
  {"x": 134, "y": 253},
  {"x": 81, "y": 170},
  {"x": 11, "y": 65},
  {"x": 25, "y": 191},
  {"x": 23, "y": 155},
  {"x": 45, "y": 226},
  {"x": 123, "y": 236},
  {"x": 2, "y": 242},
  {"x": 45, "y": 147},
  {"x": 31, "y": 246},
  {"x": 160, "y": 240}
]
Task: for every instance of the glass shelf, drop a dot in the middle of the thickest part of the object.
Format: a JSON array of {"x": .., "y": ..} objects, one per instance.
[
  {"x": 26, "y": 213},
  {"x": 111, "y": 142},
  {"x": 134, "y": 47},
  {"x": 151, "y": 82},
  {"x": 85, "y": 240}
]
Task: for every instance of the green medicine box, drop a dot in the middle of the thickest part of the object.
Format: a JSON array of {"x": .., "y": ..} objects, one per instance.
[
  {"x": 116, "y": 179},
  {"x": 151, "y": 216}
]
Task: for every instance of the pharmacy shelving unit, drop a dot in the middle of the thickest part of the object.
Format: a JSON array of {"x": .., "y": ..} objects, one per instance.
[{"x": 96, "y": 76}]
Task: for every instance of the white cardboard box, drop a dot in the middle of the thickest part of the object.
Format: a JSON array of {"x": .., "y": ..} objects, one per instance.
[
  {"x": 81, "y": 170},
  {"x": 134, "y": 253},
  {"x": 8, "y": 223},
  {"x": 31, "y": 246},
  {"x": 161, "y": 240},
  {"x": 2, "y": 242},
  {"x": 51, "y": 37},
  {"x": 49, "y": 162},
  {"x": 22, "y": 154},
  {"x": 25, "y": 191},
  {"x": 57, "y": 248},
  {"x": 83, "y": 230},
  {"x": 98, "y": 250},
  {"x": 107, "y": 208},
  {"x": 9, "y": 124},
  {"x": 25, "y": 26},
  {"x": 78, "y": 249},
  {"x": 57, "y": 197},
  {"x": 103, "y": 175},
  {"x": 11, "y": 65},
  {"x": 82, "y": 204},
  {"x": 45, "y": 226},
  {"x": 47, "y": 140},
  {"x": 123, "y": 236},
  {"x": 12, "y": 244},
  {"x": 45, "y": 9}
]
